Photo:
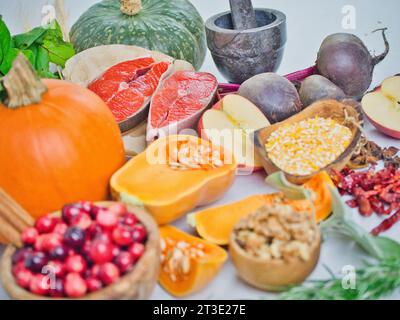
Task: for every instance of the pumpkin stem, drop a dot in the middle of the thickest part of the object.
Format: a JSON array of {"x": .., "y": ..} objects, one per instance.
[
  {"x": 131, "y": 7},
  {"x": 22, "y": 84}
]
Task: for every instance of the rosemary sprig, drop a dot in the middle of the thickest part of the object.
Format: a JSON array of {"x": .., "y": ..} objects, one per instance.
[{"x": 374, "y": 281}]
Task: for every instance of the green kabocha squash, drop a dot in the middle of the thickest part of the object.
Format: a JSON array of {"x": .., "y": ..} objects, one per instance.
[{"x": 173, "y": 27}]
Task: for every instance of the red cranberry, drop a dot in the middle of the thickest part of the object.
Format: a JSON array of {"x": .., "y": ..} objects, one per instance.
[
  {"x": 122, "y": 236},
  {"x": 29, "y": 236},
  {"x": 85, "y": 251},
  {"x": 39, "y": 242},
  {"x": 76, "y": 264},
  {"x": 101, "y": 251},
  {"x": 36, "y": 262},
  {"x": 104, "y": 236},
  {"x": 21, "y": 254},
  {"x": 59, "y": 253},
  {"x": 136, "y": 250},
  {"x": 45, "y": 224},
  {"x": 124, "y": 261},
  {"x": 18, "y": 267},
  {"x": 139, "y": 233},
  {"x": 95, "y": 211},
  {"x": 93, "y": 284},
  {"x": 23, "y": 277},
  {"x": 109, "y": 273},
  {"x": 57, "y": 290},
  {"x": 51, "y": 241},
  {"x": 74, "y": 237},
  {"x": 75, "y": 285},
  {"x": 129, "y": 219},
  {"x": 93, "y": 231},
  {"x": 95, "y": 271},
  {"x": 82, "y": 221},
  {"x": 39, "y": 284},
  {"x": 86, "y": 206},
  {"x": 116, "y": 251},
  {"x": 118, "y": 208},
  {"x": 70, "y": 211},
  {"x": 107, "y": 219},
  {"x": 60, "y": 228},
  {"x": 57, "y": 268}
]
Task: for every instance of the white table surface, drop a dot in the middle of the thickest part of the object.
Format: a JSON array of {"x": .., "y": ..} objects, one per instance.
[{"x": 309, "y": 21}]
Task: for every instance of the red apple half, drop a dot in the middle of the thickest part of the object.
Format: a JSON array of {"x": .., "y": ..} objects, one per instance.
[
  {"x": 382, "y": 107},
  {"x": 229, "y": 123}
]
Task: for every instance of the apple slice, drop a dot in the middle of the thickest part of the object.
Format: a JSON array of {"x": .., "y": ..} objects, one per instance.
[
  {"x": 382, "y": 110},
  {"x": 391, "y": 88},
  {"x": 229, "y": 123}
]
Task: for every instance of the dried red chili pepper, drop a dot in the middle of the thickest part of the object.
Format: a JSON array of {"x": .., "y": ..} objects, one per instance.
[
  {"x": 364, "y": 206},
  {"x": 386, "y": 224},
  {"x": 372, "y": 191}
]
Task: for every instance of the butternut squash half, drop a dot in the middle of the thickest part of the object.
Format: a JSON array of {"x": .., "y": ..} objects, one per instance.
[
  {"x": 188, "y": 263},
  {"x": 174, "y": 175}
]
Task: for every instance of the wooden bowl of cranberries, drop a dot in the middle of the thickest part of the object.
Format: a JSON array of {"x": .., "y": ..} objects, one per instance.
[{"x": 103, "y": 250}]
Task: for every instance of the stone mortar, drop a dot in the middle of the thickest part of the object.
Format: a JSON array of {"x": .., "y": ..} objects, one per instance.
[{"x": 241, "y": 54}]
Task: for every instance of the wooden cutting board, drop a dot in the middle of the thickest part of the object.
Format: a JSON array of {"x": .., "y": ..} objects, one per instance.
[{"x": 135, "y": 140}]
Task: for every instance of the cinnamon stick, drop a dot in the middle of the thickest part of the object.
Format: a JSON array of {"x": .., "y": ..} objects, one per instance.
[
  {"x": 9, "y": 234},
  {"x": 13, "y": 213}
]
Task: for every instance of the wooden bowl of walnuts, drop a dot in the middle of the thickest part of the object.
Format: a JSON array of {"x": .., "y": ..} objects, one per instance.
[{"x": 275, "y": 247}]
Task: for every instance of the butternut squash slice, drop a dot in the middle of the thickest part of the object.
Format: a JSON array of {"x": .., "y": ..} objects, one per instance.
[
  {"x": 216, "y": 224},
  {"x": 188, "y": 263},
  {"x": 321, "y": 195},
  {"x": 168, "y": 186}
]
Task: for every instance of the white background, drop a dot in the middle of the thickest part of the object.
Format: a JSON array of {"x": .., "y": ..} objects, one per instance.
[{"x": 309, "y": 21}]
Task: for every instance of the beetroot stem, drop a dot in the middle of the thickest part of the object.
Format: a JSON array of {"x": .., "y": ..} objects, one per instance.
[{"x": 379, "y": 58}]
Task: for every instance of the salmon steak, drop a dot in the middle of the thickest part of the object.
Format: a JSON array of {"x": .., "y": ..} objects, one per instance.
[
  {"x": 128, "y": 86},
  {"x": 179, "y": 102}
]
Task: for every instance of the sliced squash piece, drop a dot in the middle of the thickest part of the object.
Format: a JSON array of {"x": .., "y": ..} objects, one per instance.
[
  {"x": 188, "y": 263},
  {"x": 167, "y": 189},
  {"x": 321, "y": 195}
]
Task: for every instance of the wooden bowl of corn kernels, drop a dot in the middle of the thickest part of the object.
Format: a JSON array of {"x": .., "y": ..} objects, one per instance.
[{"x": 330, "y": 132}]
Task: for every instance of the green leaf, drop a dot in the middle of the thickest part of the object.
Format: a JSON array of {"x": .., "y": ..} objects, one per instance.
[
  {"x": 25, "y": 40},
  {"x": 30, "y": 55},
  {"x": 59, "y": 51},
  {"x": 3, "y": 93},
  {"x": 8, "y": 60},
  {"x": 341, "y": 221},
  {"x": 42, "y": 60},
  {"x": 291, "y": 191},
  {"x": 5, "y": 40},
  {"x": 389, "y": 247}
]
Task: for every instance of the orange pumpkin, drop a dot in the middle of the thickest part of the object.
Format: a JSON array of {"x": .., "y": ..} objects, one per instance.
[{"x": 59, "y": 142}]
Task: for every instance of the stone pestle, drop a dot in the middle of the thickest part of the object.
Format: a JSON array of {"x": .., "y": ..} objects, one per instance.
[{"x": 243, "y": 14}]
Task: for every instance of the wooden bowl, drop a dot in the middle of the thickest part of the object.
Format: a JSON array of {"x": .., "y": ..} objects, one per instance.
[
  {"x": 273, "y": 275},
  {"x": 135, "y": 285},
  {"x": 327, "y": 109}
]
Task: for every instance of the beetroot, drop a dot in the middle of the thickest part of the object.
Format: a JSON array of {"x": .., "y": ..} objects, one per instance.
[
  {"x": 274, "y": 95},
  {"x": 317, "y": 87},
  {"x": 345, "y": 60}
]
